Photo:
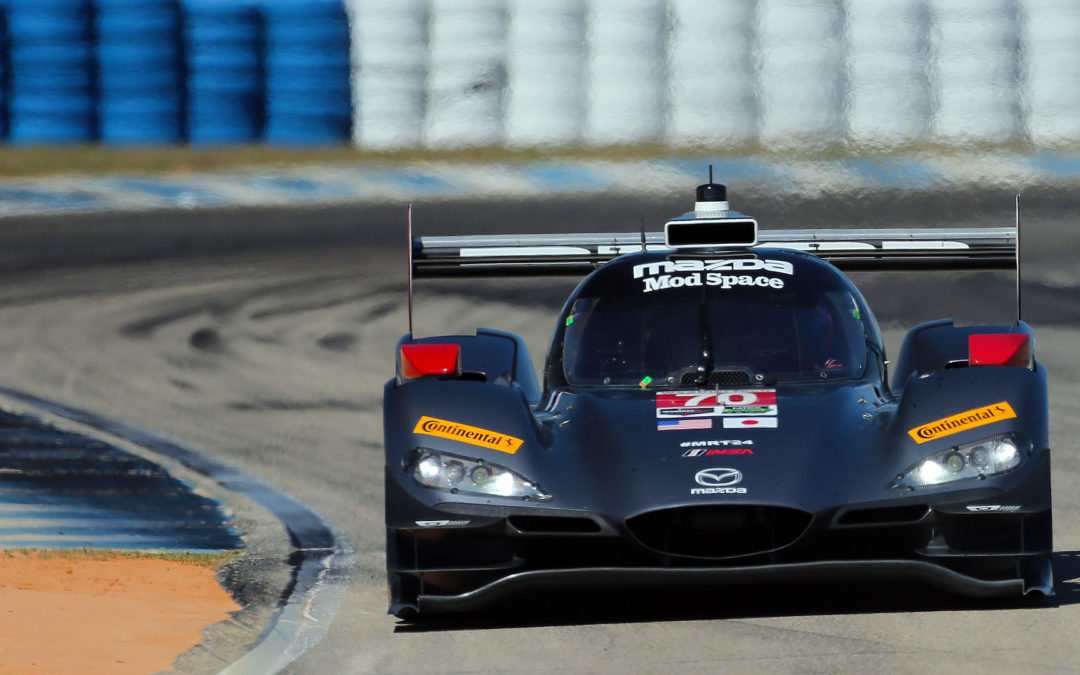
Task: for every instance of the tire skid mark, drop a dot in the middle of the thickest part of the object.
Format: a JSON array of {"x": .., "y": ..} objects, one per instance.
[
  {"x": 309, "y": 305},
  {"x": 275, "y": 405},
  {"x": 226, "y": 304}
]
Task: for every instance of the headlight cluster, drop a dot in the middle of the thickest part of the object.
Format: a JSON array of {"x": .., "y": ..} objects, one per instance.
[
  {"x": 456, "y": 474},
  {"x": 994, "y": 455}
]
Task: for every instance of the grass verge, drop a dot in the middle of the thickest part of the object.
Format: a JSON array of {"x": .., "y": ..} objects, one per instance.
[{"x": 27, "y": 161}]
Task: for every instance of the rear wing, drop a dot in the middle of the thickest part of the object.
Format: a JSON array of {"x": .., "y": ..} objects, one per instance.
[
  {"x": 714, "y": 226},
  {"x": 848, "y": 249}
]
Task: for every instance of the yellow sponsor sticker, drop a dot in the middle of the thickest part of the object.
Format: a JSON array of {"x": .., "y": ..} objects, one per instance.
[
  {"x": 466, "y": 434},
  {"x": 969, "y": 419}
]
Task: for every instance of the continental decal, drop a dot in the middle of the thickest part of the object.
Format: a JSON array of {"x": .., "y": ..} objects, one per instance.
[
  {"x": 467, "y": 434},
  {"x": 995, "y": 412}
]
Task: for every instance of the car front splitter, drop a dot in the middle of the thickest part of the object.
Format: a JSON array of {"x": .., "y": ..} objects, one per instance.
[{"x": 595, "y": 578}]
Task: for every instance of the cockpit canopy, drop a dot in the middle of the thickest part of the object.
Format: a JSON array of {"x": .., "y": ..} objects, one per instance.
[{"x": 716, "y": 319}]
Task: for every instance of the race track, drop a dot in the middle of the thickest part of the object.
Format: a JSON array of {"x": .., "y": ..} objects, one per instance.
[{"x": 264, "y": 337}]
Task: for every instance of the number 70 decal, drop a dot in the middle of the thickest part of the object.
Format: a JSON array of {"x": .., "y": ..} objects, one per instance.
[{"x": 682, "y": 404}]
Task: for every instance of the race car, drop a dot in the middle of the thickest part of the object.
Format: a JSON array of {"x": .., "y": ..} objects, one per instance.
[{"x": 715, "y": 409}]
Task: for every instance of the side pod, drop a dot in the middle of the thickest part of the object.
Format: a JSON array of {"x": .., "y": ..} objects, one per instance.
[
  {"x": 940, "y": 345},
  {"x": 491, "y": 356}
]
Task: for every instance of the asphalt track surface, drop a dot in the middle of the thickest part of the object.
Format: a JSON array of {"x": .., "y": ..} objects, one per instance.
[{"x": 264, "y": 337}]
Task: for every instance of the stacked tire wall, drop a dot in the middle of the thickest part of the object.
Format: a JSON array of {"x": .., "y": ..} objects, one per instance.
[
  {"x": 400, "y": 74},
  {"x": 223, "y": 42},
  {"x": 307, "y": 94},
  {"x": 153, "y": 72},
  {"x": 140, "y": 71},
  {"x": 51, "y": 89}
]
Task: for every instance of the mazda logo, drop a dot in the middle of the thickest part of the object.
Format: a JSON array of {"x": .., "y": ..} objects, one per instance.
[{"x": 719, "y": 477}]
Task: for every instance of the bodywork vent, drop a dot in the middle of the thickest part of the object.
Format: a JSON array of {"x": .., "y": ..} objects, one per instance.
[
  {"x": 553, "y": 525},
  {"x": 719, "y": 531},
  {"x": 888, "y": 515},
  {"x": 721, "y": 378}
]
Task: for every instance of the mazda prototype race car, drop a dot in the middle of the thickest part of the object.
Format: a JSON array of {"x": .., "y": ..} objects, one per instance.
[{"x": 715, "y": 410}]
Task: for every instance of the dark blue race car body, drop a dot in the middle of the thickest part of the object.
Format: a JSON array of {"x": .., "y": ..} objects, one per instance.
[{"x": 715, "y": 414}]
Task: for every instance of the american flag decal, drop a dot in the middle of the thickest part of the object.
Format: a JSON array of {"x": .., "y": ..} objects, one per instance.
[{"x": 689, "y": 423}]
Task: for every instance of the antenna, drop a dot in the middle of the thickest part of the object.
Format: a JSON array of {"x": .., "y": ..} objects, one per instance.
[
  {"x": 643, "y": 232},
  {"x": 408, "y": 274},
  {"x": 710, "y": 173},
  {"x": 1018, "y": 285}
]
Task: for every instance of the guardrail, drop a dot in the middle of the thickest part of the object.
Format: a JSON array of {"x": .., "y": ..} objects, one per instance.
[{"x": 390, "y": 74}]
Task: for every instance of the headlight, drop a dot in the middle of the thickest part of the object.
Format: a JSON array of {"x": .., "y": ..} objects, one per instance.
[
  {"x": 988, "y": 457},
  {"x": 456, "y": 474}
]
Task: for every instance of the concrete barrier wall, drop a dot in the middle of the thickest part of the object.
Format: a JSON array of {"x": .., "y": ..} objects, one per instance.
[
  {"x": 783, "y": 74},
  {"x": 545, "y": 73},
  {"x": 389, "y": 72},
  {"x": 889, "y": 101},
  {"x": 1050, "y": 43},
  {"x": 706, "y": 75},
  {"x": 975, "y": 72},
  {"x": 396, "y": 74},
  {"x": 466, "y": 67}
]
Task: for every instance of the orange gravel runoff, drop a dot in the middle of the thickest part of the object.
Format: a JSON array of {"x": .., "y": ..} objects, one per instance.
[{"x": 95, "y": 612}]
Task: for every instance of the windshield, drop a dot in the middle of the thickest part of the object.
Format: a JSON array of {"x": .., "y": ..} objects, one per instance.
[{"x": 699, "y": 336}]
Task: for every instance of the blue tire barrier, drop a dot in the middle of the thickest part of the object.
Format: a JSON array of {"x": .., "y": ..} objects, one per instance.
[
  {"x": 147, "y": 21},
  {"x": 223, "y": 51},
  {"x": 139, "y": 71},
  {"x": 52, "y": 90},
  {"x": 223, "y": 118},
  {"x": 165, "y": 71},
  {"x": 47, "y": 104},
  {"x": 305, "y": 56},
  {"x": 298, "y": 22},
  {"x": 72, "y": 78},
  {"x": 133, "y": 106},
  {"x": 212, "y": 60},
  {"x": 49, "y": 21},
  {"x": 157, "y": 79},
  {"x": 45, "y": 55},
  {"x": 139, "y": 118},
  {"x": 240, "y": 82},
  {"x": 284, "y": 129},
  {"x": 4, "y": 88},
  {"x": 308, "y": 95},
  {"x": 36, "y": 120},
  {"x": 300, "y": 97},
  {"x": 134, "y": 52},
  {"x": 140, "y": 121}
]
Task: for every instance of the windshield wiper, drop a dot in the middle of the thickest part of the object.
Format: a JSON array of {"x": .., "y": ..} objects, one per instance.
[{"x": 706, "y": 341}]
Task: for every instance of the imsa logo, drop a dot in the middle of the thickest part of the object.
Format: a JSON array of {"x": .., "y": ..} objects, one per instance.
[{"x": 710, "y": 452}]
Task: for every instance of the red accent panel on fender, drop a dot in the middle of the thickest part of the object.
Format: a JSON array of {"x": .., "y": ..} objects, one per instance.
[
  {"x": 418, "y": 360},
  {"x": 1000, "y": 349}
]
